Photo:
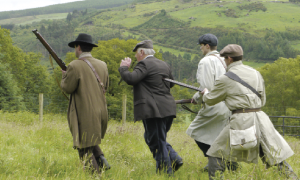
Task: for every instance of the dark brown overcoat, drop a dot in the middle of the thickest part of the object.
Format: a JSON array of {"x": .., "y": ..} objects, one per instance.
[{"x": 87, "y": 112}]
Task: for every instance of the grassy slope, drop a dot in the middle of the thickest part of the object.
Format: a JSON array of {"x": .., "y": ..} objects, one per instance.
[
  {"x": 205, "y": 14},
  {"x": 34, "y": 150},
  {"x": 29, "y": 19}
]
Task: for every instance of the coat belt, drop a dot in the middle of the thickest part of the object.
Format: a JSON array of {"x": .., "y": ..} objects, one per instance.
[{"x": 246, "y": 110}]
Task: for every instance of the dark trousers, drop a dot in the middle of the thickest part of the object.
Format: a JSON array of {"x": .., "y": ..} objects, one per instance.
[
  {"x": 155, "y": 136},
  {"x": 204, "y": 147},
  {"x": 89, "y": 156}
]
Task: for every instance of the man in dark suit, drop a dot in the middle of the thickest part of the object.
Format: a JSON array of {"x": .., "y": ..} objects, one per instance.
[{"x": 153, "y": 103}]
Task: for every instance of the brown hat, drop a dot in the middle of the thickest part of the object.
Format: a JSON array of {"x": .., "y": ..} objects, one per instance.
[
  {"x": 231, "y": 50},
  {"x": 147, "y": 44}
]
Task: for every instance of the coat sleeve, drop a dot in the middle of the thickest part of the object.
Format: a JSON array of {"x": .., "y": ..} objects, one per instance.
[
  {"x": 205, "y": 77},
  {"x": 217, "y": 94},
  {"x": 69, "y": 82},
  {"x": 134, "y": 77},
  {"x": 261, "y": 89}
]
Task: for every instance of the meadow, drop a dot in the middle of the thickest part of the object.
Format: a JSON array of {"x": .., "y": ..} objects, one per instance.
[
  {"x": 30, "y": 19},
  {"x": 30, "y": 149}
]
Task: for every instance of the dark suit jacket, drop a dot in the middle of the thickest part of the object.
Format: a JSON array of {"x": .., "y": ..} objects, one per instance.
[{"x": 152, "y": 97}]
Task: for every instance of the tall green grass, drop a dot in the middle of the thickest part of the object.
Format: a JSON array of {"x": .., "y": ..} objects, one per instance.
[{"x": 30, "y": 149}]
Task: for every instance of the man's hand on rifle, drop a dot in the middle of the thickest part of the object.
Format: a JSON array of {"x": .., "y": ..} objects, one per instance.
[
  {"x": 205, "y": 91},
  {"x": 194, "y": 101},
  {"x": 126, "y": 62}
]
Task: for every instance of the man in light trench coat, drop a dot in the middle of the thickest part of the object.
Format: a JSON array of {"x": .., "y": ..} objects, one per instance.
[
  {"x": 210, "y": 120},
  {"x": 87, "y": 112},
  {"x": 245, "y": 105}
]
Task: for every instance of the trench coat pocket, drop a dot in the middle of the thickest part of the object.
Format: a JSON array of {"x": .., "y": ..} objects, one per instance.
[
  {"x": 140, "y": 101},
  {"x": 243, "y": 139}
]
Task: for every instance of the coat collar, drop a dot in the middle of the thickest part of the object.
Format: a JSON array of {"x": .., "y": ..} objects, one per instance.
[
  {"x": 234, "y": 64},
  {"x": 85, "y": 54},
  {"x": 212, "y": 52}
]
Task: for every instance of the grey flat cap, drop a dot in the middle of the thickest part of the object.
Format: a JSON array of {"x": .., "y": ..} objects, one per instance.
[
  {"x": 232, "y": 50},
  {"x": 209, "y": 39},
  {"x": 147, "y": 44}
]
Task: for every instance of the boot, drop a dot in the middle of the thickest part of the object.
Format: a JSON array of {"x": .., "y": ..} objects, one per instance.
[
  {"x": 102, "y": 162},
  {"x": 287, "y": 170}
]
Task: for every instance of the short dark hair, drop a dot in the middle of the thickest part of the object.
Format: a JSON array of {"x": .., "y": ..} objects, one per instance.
[
  {"x": 237, "y": 58},
  {"x": 213, "y": 48},
  {"x": 85, "y": 47}
]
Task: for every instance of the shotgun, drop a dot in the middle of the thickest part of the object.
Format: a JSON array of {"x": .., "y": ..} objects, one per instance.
[{"x": 61, "y": 64}]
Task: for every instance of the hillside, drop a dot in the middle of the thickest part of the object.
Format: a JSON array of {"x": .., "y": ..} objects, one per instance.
[
  {"x": 267, "y": 30},
  {"x": 64, "y": 8}
]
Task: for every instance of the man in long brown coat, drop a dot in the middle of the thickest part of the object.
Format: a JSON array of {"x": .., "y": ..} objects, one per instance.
[{"x": 87, "y": 112}]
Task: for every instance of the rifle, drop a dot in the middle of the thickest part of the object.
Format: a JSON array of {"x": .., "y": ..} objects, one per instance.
[
  {"x": 183, "y": 101},
  {"x": 182, "y": 84},
  {"x": 50, "y": 50}
]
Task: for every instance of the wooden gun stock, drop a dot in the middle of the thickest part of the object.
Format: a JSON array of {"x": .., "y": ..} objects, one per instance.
[
  {"x": 183, "y": 101},
  {"x": 50, "y": 50}
]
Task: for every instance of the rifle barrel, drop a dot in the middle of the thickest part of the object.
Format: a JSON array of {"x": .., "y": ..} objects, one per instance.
[
  {"x": 182, "y": 84},
  {"x": 50, "y": 50},
  {"x": 183, "y": 101}
]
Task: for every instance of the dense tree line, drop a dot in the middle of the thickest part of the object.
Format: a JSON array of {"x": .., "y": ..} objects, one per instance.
[
  {"x": 64, "y": 8},
  {"x": 269, "y": 47},
  {"x": 21, "y": 76}
]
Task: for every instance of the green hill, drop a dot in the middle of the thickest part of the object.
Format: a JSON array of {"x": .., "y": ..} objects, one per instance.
[
  {"x": 161, "y": 21},
  {"x": 64, "y": 8},
  {"x": 266, "y": 30}
]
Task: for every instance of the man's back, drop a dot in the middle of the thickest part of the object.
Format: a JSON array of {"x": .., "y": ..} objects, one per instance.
[
  {"x": 87, "y": 113},
  {"x": 152, "y": 97}
]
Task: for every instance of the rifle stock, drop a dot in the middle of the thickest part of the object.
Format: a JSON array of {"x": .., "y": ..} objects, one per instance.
[
  {"x": 61, "y": 64},
  {"x": 183, "y": 101}
]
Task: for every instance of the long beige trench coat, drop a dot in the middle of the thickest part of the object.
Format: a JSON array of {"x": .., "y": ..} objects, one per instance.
[
  {"x": 210, "y": 120},
  {"x": 87, "y": 113},
  {"x": 237, "y": 96}
]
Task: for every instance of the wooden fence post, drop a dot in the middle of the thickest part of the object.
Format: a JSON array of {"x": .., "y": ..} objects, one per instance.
[
  {"x": 124, "y": 109},
  {"x": 41, "y": 102}
]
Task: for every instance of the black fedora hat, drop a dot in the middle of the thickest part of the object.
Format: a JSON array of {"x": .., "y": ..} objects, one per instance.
[{"x": 82, "y": 39}]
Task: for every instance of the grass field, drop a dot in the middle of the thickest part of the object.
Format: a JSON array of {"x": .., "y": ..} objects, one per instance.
[
  {"x": 30, "y": 149},
  {"x": 278, "y": 16},
  {"x": 30, "y": 19}
]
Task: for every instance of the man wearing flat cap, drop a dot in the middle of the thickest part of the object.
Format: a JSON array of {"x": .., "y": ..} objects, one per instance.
[
  {"x": 87, "y": 112},
  {"x": 153, "y": 103},
  {"x": 249, "y": 133},
  {"x": 210, "y": 120}
]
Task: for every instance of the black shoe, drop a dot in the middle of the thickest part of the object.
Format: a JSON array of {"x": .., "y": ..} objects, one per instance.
[
  {"x": 102, "y": 163},
  {"x": 205, "y": 169},
  {"x": 177, "y": 164}
]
